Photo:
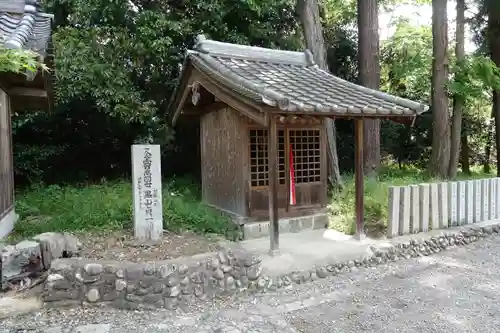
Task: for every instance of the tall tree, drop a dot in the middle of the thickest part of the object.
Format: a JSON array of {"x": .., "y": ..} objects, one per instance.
[
  {"x": 458, "y": 99},
  {"x": 440, "y": 156},
  {"x": 493, "y": 37},
  {"x": 308, "y": 11},
  {"x": 369, "y": 76}
]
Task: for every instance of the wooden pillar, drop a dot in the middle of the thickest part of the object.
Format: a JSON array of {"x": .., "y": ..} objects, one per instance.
[
  {"x": 286, "y": 139},
  {"x": 358, "y": 170},
  {"x": 272, "y": 151},
  {"x": 324, "y": 166}
]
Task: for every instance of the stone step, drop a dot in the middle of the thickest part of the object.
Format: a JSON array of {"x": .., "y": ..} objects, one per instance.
[{"x": 254, "y": 230}]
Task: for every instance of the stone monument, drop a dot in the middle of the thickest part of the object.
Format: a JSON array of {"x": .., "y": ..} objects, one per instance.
[{"x": 146, "y": 182}]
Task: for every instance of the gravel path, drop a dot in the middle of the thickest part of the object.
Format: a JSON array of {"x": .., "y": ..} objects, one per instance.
[{"x": 456, "y": 291}]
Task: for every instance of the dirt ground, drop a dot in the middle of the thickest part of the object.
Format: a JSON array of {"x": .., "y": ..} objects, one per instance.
[{"x": 120, "y": 245}]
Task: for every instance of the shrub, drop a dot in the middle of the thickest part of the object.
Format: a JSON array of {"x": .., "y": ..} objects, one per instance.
[{"x": 342, "y": 203}]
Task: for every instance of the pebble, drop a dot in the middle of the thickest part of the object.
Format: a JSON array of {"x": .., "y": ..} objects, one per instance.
[
  {"x": 93, "y": 269},
  {"x": 93, "y": 295},
  {"x": 120, "y": 285},
  {"x": 253, "y": 272},
  {"x": 261, "y": 283},
  {"x": 321, "y": 272},
  {"x": 218, "y": 274}
]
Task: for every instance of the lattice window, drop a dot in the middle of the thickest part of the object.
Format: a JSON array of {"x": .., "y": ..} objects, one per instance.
[
  {"x": 258, "y": 157},
  {"x": 306, "y": 155}
]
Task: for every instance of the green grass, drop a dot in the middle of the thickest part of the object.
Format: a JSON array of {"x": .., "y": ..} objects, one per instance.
[
  {"x": 341, "y": 207},
  {"x": 108, "y": 206}
]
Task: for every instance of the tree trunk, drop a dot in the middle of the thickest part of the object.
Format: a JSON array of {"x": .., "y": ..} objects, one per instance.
[
  {"x": 458, "y": 101},
  {"x": 489, "y": 141},
  {"x": 440, "y": 157},
  {"x": 464, "y": 152},
  {"x": 308, "y": 11},
  {"x": 369, "y": 75},
  {"x": 493, "y": 7}
]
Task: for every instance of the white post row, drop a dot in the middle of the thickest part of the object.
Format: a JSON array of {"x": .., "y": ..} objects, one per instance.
[
  {"x": 147, "y": 196},
  {"x": 418, "y": 208}
]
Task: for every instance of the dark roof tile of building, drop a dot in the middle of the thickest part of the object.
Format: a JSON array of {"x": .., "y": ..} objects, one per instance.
[
  {"x": 292, "y": 81},
  {"x": 24, "y": 26}
]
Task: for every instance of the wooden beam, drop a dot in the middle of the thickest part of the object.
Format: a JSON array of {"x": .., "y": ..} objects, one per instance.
[
  {"x": 251, "y": 110},
  {"x": 180, "y": 102},
  {"x": 27, "y": 92},
  {"x": 399, "y": 118},
  {"x": 359, "y": 179},
  {"x": 272, "y": 156},
  {"x": 182, "y": 91},
  {"x": 202, "y": 109}
]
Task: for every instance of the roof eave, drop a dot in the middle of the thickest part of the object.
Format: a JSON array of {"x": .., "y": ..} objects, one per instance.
[{"x": 173, "y": 109}]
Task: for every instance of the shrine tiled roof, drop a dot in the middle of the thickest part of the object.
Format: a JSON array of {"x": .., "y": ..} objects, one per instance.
[
  {"x": 24, "y": 26},
  {"x": 292, "y": 82}
]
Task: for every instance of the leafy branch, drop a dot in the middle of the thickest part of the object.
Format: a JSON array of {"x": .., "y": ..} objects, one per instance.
[
  {"x": 474, "y": 77},
  {"x": 19, "y": 61}
]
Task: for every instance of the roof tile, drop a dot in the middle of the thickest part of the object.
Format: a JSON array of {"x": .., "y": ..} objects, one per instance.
[
  {"x": 291, "y": 81},
  {"x": 27, "y": 29}
]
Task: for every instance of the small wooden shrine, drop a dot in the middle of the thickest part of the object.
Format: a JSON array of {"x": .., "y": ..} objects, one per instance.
[{"x": 262, "y": 137}]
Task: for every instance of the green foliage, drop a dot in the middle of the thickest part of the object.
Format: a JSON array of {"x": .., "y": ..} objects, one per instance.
[
  {"x": 474, "y": 78},
  {"x": 19, "y": 61},
  {"x": 108, "y": 206},
  {"x": 117, "y": 63},
  {"x": 124, "y": 59},
  {"x": 342, "y": 204},
  {"x": 407, "y": 60},
  {"x": 87, "y": 70}
]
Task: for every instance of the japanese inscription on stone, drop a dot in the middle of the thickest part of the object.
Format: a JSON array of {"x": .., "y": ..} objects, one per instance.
[{"x": 146, "y": 178}]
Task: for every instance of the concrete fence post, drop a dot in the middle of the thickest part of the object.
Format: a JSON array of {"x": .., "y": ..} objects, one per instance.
[
  {"x": 485, "y": 201},
  {"x": 424, "y": 207},
  {"x": 496, "y": 214},
  {"x": 497, "y": 206},
  {"x": 452, "y": 203},
  {"x": 461, "y": 202},
  {"x": 415, "y": 209},
  {"x": 492, "y": 184},
  {"x": 469, "y": 202},
  {"x": 434, "y": 205},
  {"x": 443, "y": 205},
  {"x": 404, "y": 211},
  {"x": 393, "y": 221},
  {"x": 477, "y": 201}
]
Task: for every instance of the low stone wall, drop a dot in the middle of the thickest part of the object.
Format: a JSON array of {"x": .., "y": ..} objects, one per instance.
[
  {"x": 176, "y": 283},
  {"x": 159, "y": 284},
  {"x": 423, "y": 207}
]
